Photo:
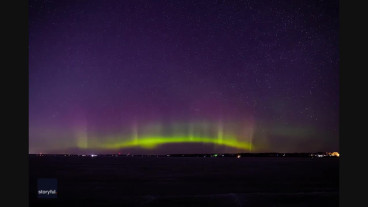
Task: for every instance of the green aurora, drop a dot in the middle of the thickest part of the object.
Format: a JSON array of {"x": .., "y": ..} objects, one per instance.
[
  {"x": 150, "y": 142},
  {"x": 153, "y": 135}
]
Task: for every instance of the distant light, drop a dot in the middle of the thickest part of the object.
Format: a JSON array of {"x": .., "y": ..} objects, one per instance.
[
  {"x": 93, "y": 155},
  {"x": 215, "y": 155},
  {"x": 334, "y": 154},
  {"x": 238, "y": 156},
  {"x": 320, "y": 155}
]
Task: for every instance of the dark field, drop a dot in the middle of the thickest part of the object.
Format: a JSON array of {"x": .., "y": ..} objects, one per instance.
[{"x": 144, "y": 181}]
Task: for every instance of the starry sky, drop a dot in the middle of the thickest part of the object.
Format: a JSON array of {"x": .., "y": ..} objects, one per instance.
[{"x": 193, "y": 76}]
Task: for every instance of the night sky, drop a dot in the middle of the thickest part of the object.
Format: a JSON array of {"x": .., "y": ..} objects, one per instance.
[{"x": 147, "y": 77}]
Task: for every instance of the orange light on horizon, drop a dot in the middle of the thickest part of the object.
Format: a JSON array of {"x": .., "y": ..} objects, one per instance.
[
  {"x": 336, "y": 154},
  {"x": 333, "y": 154}
]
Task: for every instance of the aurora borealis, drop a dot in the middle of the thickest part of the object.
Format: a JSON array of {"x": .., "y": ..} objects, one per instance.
[
  {"x": 183, "y": 76},
  {"x": 192, "y": 133}
]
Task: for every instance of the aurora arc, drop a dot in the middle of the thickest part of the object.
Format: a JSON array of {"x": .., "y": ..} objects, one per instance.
[
  {"x": 150, "y": 142},
  {"x": 150, "y": 136}
]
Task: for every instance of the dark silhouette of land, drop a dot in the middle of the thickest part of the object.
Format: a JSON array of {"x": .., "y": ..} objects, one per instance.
[{"x": 266, "y": 179}]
